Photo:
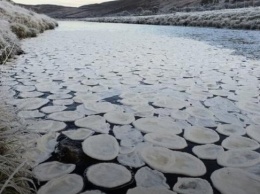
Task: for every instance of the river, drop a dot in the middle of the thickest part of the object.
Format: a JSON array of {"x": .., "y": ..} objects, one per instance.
[{"x": 189, "y": 76}]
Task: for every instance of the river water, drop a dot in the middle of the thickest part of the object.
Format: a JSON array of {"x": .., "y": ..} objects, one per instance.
[{"x": 212, "y": 75}]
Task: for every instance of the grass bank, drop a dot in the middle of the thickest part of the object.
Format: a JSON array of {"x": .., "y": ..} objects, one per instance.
[
  {"x": 17, "y": 23},
  {"x": 243, "y": 18}
]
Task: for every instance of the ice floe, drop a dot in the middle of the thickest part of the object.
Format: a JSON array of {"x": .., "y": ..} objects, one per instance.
[
  {"x": 234, "y": 180},
  {"x": 142, "y": 190},
  {"x": 27, "y": 114},
  {"x": 50, "y": 170},
  {"x": 253, "y": 131},
  {"x": 201, "y": 135},
  {"x": 46, "y": 126},
  {"x": 230, "y": 129},
  {"x": 31, "y": 94},
  {"x": 78, "y": 134},
  {"x": 146, "y": 177},
  {"x": 208, "y": 151},
  {"x": 66, "y": 116},
  {"x": 192, "y": 186},
  {"x": 131, "y": 159},
  {"x": 99, "y": 107},
  {"x": 236, "y": 142},
  {"x": 53, "y": 109},
  {"x": 238, "y": 158},
  {"x": 168, "y": 161},
  {"x": 120, "y": 118},
  {"x": 67, "y": 184},
  {"x": 108, "y": 175},
  {"x": 201, "y": 113},
  {"x": 156, "y": 124},
  {"x": 95, "y": 123},
  {"x": 31, "y": 103},
  {"x": 101, "y": 147},
  {"x": 167, "y": 140}
]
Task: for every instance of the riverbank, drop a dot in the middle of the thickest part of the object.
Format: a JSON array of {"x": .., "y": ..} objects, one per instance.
[
  {"x": 17, "y": 23},
  {"x": 243, "y": 18}
]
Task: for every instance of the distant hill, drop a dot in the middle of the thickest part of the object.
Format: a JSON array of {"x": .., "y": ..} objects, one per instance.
[{"x": 137, "y": 7}]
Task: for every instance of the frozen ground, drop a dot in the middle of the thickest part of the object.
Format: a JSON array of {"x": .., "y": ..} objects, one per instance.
[{"x": 114, "y": 80}]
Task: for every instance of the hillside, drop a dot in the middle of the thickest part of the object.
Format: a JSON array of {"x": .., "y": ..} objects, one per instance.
[{"x": 139, "y": 7}]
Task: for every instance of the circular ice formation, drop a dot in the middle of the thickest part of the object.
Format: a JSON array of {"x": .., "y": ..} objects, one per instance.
[
  {"x": 143, "y": 110},
  {"x": 146, "y": 177},
  {"x": 46, "y": 126},
  {"x": 53, "y": 109},
  {"x": 134, "y": 101},
  {"x": 156, "y": 124},
  {"x": 201, "y": 135},
  {"x": 66, "y": 116},
  {"x": 89, "y": 97},
  {"x": 120, "y": 118},
  {"x": 229, "y": 129},
  {"x": 67, "y": 184},
  {"x": 201, "y": 113},
  {"x": 22, "y": 88},
  {"x": 208, "y": 151},
  {"x": 167, "y": 140},
  {"x": 142, "y": 190},
  {"x": 50, "y": 170},
  {"x": 249, "y": 107},
  {"x": 99, "y": 107},
  {"x": 254, "y": 170},
  {"x": 78, "y": 88},
  {"x": 31, "y": 103},
  {"x": 47, "y": 87},
  {"x": 63, "y": 102},
  {"x": 168, "y": 161},
  {"x": 95, "y": 123},
  {"x": 131, "y": 159},
  {"x": 192, "y": 186},
  {"x": 31, "y": 94},
  {"x": 78, "y": 134},
  {"x": 101, "y": 147},
  {"x": 234, "y": 180},
  {"x": 236, "y": 142},
  {"x": 256, "y": 120},
  {"x": 180, "y": 115},
  {"x": 93, "y": 192},
  {"x": 29, "y": 114},
  {"x": 253, "y": 131},
  {"x": 222, "y": 93},
  {"x": 167, "y": 102},
  {"x": 90, "y": 82},
  {"x": 108, "y": 175},
  {"x": 59, "y": 96},
  {"x": 238, "y": 158},
  {"x": 128, "y": 135}
]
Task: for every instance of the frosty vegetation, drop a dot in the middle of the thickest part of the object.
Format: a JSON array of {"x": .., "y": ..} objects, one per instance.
[
  {"x": 18, "y": 23},
  {"x": 243, "y": 18}
]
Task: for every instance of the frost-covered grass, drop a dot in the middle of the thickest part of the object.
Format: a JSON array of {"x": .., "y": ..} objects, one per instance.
[
  {"x": 18, "y": 23},
  {"x": 244, "y": 18},
  {"x": 14, "y": 169}
]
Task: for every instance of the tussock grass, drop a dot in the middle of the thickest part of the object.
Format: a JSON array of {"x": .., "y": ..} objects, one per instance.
[
  {"x": 243, "y": 18},
  {"x": 19, "y": 23},
  {"x": 15, "y": 171}
]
